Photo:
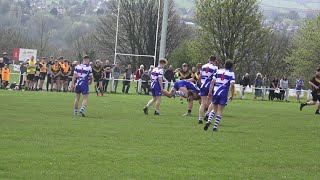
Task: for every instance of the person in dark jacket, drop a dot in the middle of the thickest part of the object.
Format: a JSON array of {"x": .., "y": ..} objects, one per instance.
[
  {"x": 246, "y": 81},
  {"x": 169, "y": 75},
  {"x": 5, "y": 58},
  {"x": 145, "y": 82}
]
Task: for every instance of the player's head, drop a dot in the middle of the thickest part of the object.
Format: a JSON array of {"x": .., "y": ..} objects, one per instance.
[
  {"x": 43, "y": 59},
  {"x": 56, "y": 62},
  {"x": 229, "y": 64},
  {"x": 163, "y": 62},
  {"x": 98, "y": 62},
  {"x": 86, "y": 59},
  {"x": 213, "y": 59},
  {"x": 318, "y": 72}
]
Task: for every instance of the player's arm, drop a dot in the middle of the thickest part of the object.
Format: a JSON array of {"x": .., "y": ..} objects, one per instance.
[
  {"x": 191, "y": 80},
  {"x": 313, "y": 85},
  {"x": 161, "y": 80},
  {"x": 211, "y": 86}
]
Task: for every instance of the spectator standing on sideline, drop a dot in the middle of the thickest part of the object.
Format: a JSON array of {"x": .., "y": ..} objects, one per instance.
[
  {"x": 107, "y": 68},
  {"x": 258, "y": 85},
  {"x": 37, "y": 76},
  {"x": 31, "y": 71},
  {"x": 6, "y": 60},
  {"x": 127, "y": 79},
  {"x": 284, "y": 86},
  {"x": 65, "y": 72},
  {"x": 169, "y": 75},
  {"x": 246, "y": 81},
  {"x": 23, "y": 71},
  {"x": 116, "y": 72},
  {"x": 299, "y": 86},
  {"x": 55, "y": 74},
  {"x": 5, "y": 75},
  {"x": 266, "y": 83},
  {"x": 145, "y": 82},
  {"x": 139, "y": 73},
  {"x": 177, "y": 74},
  {"x": 50, "y": 63},
  {"x": 273, "y": 86},
  {"x": 150, "y": 70},
  {"x": 185, "y": 73},
  {"x": 1, "y": 66},
  {"x": 43, "y": 72}
]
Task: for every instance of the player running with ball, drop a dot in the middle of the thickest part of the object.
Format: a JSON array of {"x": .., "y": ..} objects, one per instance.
[
  {"x": 315, "y": 83},
  {"x": 83, "y": 75},
  {"x": 221, "y": 82},
  {"x": 156, "y": 87}
]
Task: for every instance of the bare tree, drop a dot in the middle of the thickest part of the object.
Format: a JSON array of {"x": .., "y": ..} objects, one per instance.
[{"x": 137, "y": 32}]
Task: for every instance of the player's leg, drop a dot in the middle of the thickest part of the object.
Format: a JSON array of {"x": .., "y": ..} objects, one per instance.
[
  {"x": 100, "y": 87},
  {"x": 168, "y": 94},
  {"x": 153, "y": 100},
  {"x": 182, "y": 92},
  {"x": 310, "y": 103},
  {"x": 84, "y": 104},
  {"x": 212, "y": 113},
  {"x": 219, "y": 116},
  {"x": 158, "y": 102},
  {"x": 76, "y": 104},
  {"x": 202, "y": 108},
  {"x": 96, "y": 87},
  {"x": 210, "y": 108},
  {"x": 190, "y": 106}
]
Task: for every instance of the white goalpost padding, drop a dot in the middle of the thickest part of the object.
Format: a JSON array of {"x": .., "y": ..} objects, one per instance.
[{"x": 154, "y": 56}]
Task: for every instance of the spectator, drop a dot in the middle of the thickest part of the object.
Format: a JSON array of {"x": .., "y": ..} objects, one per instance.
[
  {"x": 5, "y": 75},
  {"x": 266, "y": 83},
  {"x": 37, "y": 75},
  {"x": 273, "y": 86},
  {"x": 185, "y": 73},
  {"x": 284, "y": 88},
  {"x": 31, "y": 71},
  {"x": 127, "y": 79},
  {"x": 246, "y": 81},
  {"x": 299, "y": 86},
  {"x": 23, "y": 71},
  {"x": 177, "y": 74},
  {"x": 150, "y": 70},
  {"x": 139, "y": 73},
  {"x": 107, "y": 68},
  {"x": 50, "y": 63},
  {"x": 43, "y": 72},
  {"x": 6, "y": 60},
  {"x": 258, "y": 85},
  {"x": 65, "y": 72},
  {"x": 145, "y": 82},
  {"x": 116, "y": 75},
  {"x": 1, "y": 66},
  {"x": 72, "y": 68},
  {"x": 169, "y": 75}
]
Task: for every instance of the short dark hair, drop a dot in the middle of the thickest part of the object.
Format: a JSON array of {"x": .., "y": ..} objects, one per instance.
[
  {"x": 318, "y": 69},
  {"x": 212, "y": 58},
  {"x": 229, "y": 64}
]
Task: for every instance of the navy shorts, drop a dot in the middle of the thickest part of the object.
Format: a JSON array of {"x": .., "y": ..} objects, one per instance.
[
  {"x": 81, "y": 89},
  {"x": 156, "y": 90},
  {"x": 220, "y": 100}
]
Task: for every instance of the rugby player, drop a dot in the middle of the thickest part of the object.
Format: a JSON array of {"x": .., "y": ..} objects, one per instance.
[
  {"x": 55, "y": 75},
  {"x": 207, "y": 72},
  {"x": 97, "y": 72},
  {"x": 43, "y": 72},
  {"x": 83, "y": 75},
  {"x": 221, "y": 83},
  {"x": 315, "y": 83},
  {"x": 156, "y": 87}
]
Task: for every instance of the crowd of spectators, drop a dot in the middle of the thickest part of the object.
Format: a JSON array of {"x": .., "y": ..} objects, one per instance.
[{"x": 55, "y": 74}]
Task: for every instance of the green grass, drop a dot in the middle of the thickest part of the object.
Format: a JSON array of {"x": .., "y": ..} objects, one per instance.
[{"x": 40, "y": 139}]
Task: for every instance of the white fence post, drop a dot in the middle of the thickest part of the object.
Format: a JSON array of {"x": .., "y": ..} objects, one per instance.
[
  {"x": 112, "y": 84},
  {"x": 309, "y": 95},
  {"x": 139, "y": 85},
  {"x": 166, "y": 85},
  {"x": 264, "y": 92},
  {"x": 241, "y": 92}
]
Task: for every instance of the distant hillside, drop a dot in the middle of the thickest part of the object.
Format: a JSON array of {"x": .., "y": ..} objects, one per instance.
[{"x": 302, "y": 5}]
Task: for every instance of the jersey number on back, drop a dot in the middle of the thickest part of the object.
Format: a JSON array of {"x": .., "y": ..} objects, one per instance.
[
  {"x": 207, "y": 69},
  {"x": 222, "y": 76}
]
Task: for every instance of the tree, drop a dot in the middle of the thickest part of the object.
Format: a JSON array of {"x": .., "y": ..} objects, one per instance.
[
  {"x": 54, "y": 11},
  {"x": 304, "y": 58},
  {"x": 137, "y": 32},
  {"x": 232, "y": 28}
]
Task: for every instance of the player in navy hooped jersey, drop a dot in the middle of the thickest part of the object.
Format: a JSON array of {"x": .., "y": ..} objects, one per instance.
[
  {"x": 156, "y": 87},
  {"x": 207, "y": 72},
  {"x": 83, "y": 75},
  {"x": 221, "y": 83}
]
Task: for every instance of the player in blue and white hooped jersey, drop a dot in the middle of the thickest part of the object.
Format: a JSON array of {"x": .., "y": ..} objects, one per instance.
[
  {"x": 156, "y": 87},
  {"x": 83, "y": 76},
  {"x": 221, "y": 83},
  {"x": 207, "y": 72}
]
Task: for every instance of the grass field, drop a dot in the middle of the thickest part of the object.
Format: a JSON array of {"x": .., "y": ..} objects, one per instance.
[{"x": 40, "y": 139}]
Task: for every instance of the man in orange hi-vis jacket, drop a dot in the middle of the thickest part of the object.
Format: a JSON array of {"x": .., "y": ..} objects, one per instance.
[{"x": 5, "y": 75}]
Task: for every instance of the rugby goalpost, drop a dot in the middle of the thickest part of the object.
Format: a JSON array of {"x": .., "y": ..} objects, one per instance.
[{"x": 154, "y": 56}]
